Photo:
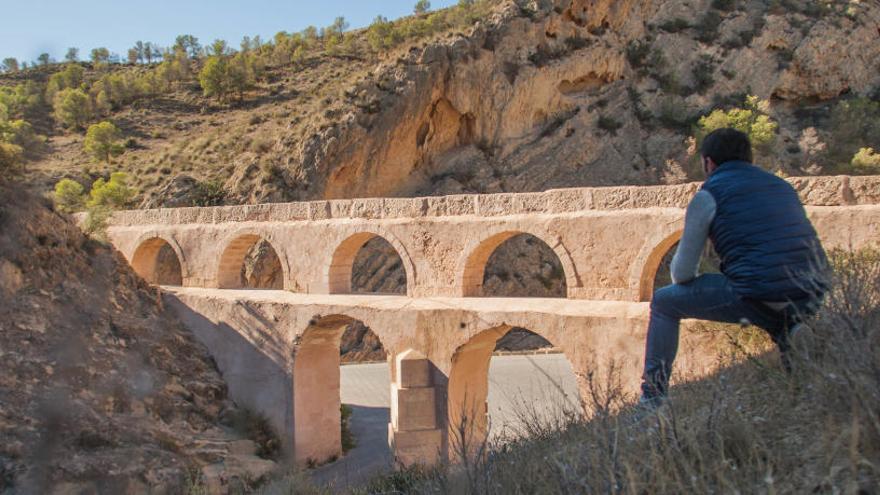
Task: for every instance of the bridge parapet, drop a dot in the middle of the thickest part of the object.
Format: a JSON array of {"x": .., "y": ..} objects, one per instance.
[{"x": 814, "y": 191}]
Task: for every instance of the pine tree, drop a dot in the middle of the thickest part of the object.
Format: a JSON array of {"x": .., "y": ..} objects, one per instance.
[
  {"x": 72, "y": 107},
  {"x": 213, "y": 77},
  {"x": 102, "y": 141},
  {"x": 422, "y": 7},
  {"x": 10, "y": 64}
]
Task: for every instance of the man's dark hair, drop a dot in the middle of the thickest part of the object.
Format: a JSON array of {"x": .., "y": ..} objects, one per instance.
[{"x": 727, "y": 145}]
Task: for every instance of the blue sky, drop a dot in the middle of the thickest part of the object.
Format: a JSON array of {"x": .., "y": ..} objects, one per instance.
[{"x": 31, "y": 27}]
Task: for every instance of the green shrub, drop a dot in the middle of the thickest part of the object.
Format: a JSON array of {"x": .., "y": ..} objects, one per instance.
[
  {"x": 256, "y": 427},
  {"x": 707, "y": 27},
  {"x": 675, "y": 25},
  {"x": 73, "y": 108},
  {"x": 703, "y": 73},
  {"x": 637, "y": 51},
  {"x": 97, "y": 218},
  {"x": 210, "y": 193},
  {"x": 752, "y": 120},
  {"x": 609, "y": 124},
  {"x": 113, "y": 194},
  {"x": 69, "y": 196},
  {"x": 10, "y": 157},
  {"x": 102, "y": 141},
  {"x": 672, "y": 113},
  {"x": 866, "y": 161},
  {"x": 855, "y": 124}
]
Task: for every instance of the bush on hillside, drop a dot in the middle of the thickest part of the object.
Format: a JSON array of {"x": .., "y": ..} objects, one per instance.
[
  {"x": 17, "y": 138},
  {"x": 69, "y": 197},
  {"x": 855, "y": 124},
  {"x": 114, "y": 193},
  {"x": 103, "y": 141},
  {"x": 73, "y": 108},
  {"x": 752, "y": 120},
  {"x": 10, "y": 157},
  {"x": 866, "y": 161},
  {"x": 70, "y": 78}
]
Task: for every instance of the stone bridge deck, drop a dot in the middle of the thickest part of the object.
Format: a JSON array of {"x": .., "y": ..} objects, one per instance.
[{"x": 279, "y": 350}]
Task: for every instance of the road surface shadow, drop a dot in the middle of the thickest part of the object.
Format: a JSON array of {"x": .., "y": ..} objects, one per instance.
[{"x": 370, "y": 455}]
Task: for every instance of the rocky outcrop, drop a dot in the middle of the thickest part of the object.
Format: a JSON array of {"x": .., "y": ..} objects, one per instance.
[
  {"x": 101, "y": 389},
  {"x": 573, "y": 92}
]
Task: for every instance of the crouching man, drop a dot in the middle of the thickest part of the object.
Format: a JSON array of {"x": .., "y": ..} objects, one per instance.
[{"x": 772, "y": 262}]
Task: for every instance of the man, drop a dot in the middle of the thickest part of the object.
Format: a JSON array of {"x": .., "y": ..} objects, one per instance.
[{"x": 772, "y": 262}]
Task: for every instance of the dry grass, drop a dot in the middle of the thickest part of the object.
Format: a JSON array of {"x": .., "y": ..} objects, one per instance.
[{"x": 749, "y": 428}]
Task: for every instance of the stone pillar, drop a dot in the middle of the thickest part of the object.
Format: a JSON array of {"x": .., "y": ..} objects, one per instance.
[{"x": 415, "y": 433}]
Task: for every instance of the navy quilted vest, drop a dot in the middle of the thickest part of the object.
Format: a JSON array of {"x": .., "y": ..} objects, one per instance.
[{"x": 768, "y": 248}]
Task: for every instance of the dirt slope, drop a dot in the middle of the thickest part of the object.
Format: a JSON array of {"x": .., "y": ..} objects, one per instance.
[{"x": 101, "y": 389}]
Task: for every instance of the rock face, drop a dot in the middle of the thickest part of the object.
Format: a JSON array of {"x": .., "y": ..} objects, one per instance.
[
  {"x": 558, "y": 93},
  {"x": 101, "y": 389}
]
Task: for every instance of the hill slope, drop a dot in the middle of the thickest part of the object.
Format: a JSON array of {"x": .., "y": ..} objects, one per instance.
[{"x": 100, "y": 387}]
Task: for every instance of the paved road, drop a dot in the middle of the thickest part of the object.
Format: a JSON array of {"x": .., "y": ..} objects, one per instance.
[{"x": 518, "y": 386}]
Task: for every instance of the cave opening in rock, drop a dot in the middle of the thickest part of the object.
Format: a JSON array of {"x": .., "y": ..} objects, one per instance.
[
  {"x": 158, "y": 263},
  {"x": 250, "y": 262}
]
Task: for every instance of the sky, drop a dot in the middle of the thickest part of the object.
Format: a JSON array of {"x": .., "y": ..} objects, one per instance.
[{"x": 32, "y": 27}]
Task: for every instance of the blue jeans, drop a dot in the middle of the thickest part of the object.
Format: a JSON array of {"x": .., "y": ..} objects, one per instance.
[{"x": 708, "y": 297}]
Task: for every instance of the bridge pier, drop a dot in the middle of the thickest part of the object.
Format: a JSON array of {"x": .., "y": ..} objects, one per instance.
[{"x": 415, "y": 433}]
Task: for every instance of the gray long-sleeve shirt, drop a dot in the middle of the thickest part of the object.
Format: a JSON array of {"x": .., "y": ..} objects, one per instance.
[{"x": 699, "y": 216}]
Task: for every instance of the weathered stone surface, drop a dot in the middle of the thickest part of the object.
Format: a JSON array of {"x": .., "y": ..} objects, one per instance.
[{"x": 814, "y": 191}]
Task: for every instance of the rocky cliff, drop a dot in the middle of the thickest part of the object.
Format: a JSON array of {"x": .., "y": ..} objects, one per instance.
[{"x": 573, "y": 92}]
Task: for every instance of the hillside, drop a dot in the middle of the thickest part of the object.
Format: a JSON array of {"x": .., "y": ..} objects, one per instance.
[
  {"x": 529, "y": 97},
  {"x": 102, "y": 389}
]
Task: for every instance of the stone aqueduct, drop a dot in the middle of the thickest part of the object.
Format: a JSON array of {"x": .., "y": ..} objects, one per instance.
[{"x": 279, "y": 350}]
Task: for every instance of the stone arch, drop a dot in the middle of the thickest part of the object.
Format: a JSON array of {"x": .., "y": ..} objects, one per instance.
[
  {"x": 340, "y": 267},
  {"x": 468, "y": 389},
  {"x": 472, "y": 267},
  {"x": 146, "y": 260},
  {"x": 316, "y": 389},
  {"x": 232, "y": 260},
  {"x": 650, "y": 262}
]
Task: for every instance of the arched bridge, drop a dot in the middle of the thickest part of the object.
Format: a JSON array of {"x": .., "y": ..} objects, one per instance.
[{"x": 279, "y": 349}]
